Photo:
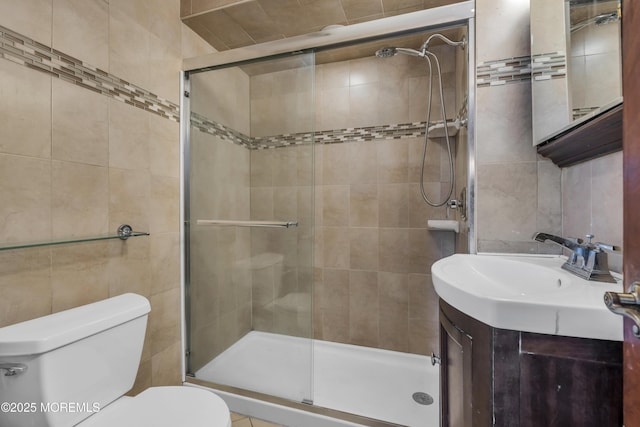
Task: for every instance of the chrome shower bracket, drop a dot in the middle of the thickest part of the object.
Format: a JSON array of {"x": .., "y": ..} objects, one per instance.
[
  {"x": 455, "y": 204},
  {"x": 459, "y": 204},
  {"x": 463, "y": 42},
  {"x": 435, "y": 360}
]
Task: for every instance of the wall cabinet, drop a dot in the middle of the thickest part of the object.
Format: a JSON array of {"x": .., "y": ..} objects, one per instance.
[{"x": 497, "y": 377}]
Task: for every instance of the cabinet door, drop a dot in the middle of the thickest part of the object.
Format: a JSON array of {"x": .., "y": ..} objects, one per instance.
[
  {"x": 455, "y": 374},
  {"x": 567, "y": 381}
]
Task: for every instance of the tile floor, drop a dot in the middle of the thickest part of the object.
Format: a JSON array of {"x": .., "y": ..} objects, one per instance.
[{"x": 238, "y": 420}]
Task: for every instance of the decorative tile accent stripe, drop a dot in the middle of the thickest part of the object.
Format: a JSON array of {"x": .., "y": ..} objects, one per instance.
[
  {"x": 223, "y": 132},
  {"x": 284, "y": 140},
  {"x": 504, "y": 71},
  {"x": 337, "y": 136},
  {"x": 548, "y": 66},
  {"x": 29, "y": 53},
  {"x": 579, "y": 112},
  {"x": 37, "y": 56}
]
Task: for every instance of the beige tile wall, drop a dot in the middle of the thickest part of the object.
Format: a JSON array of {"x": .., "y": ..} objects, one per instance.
[
  {"x": 219, "y": 189},
  {"x": 517, "y": 191},
  {"x": 373, "y": 252},
  {"x": 592, "y": 201},
  {"x": 282, "y": 102},
  {"x": 282, "y": 190},
  {"x": 75, "y": 163},
  {"x": 223, "y": 96},
  {"x": 372, "y": 91},
  {"x": 281, "y": 266},
  {"x": 220, "y": 283},
  {"x": 595, "y": 69},
  {"x": 552, "y": 109}
]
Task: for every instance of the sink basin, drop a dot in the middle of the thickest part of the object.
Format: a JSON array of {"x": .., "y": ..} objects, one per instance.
[{"x": 527, "y": 293}]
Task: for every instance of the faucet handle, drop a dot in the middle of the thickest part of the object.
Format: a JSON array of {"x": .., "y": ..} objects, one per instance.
[
  {"x": 600, "y": 245},
  {"x": 606, "y": 247}
]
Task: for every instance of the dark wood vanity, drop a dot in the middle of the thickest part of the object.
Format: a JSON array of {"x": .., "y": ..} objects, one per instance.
[{"x": 500, "y": 377}]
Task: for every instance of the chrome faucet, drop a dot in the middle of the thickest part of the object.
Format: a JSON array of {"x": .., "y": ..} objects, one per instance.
[
  {"x": 587, "y": 260},
  {"x": 569, "y": 243}
]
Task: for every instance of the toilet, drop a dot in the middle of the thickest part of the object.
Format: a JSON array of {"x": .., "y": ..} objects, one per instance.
[{"x": 73, "y": 368}]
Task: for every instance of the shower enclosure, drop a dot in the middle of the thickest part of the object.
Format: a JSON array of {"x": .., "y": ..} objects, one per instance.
[
  {"x": 250, "y": 218},
  {"x": 307, "y": 253}
]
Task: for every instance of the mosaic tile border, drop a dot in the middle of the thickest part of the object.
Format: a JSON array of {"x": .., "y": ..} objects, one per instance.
[
  {"x": 37, "y": 56},
  {"x": 27, "y": 52},
  {"x": 547, "y": 66},
  {"x": 579, "y": 112},
  {"x": 337, "y": 136},
  {"x": 503, "y": 71},
  {"x": 223, "y": 132}
]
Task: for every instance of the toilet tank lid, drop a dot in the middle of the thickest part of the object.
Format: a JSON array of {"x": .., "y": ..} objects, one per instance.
[{"x": 47, "y": 333}]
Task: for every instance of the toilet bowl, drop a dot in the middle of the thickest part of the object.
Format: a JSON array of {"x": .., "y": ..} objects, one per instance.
[{"x": 74, "y": 367}]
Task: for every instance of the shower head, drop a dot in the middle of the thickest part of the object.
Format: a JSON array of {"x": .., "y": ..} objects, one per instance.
[
  {"x": 602, "y": 19},
  {"x": 607, "y": 18},
  {"x": 388, "y": 52}
]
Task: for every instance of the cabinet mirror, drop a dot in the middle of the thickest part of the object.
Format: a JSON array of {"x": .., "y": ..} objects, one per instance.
[{"x": 576, "y": 64}]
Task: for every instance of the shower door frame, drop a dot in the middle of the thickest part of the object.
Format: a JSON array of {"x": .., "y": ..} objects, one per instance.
[
  {"x": 186, "y": 84},
  {"x": 458, "y": 14}
]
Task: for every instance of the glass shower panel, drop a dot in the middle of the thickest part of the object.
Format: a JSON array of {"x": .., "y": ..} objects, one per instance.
[{"x": 251, "y": 226}]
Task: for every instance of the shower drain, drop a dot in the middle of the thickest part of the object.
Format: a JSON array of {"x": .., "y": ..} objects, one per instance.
[{"x": 422, "y": 398}]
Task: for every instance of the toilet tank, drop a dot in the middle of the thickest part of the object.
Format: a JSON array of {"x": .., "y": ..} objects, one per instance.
[{"x": 77, "y": 361}]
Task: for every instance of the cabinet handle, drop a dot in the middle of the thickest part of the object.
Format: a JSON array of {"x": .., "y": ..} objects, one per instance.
[{"x": 626, "y": 304}]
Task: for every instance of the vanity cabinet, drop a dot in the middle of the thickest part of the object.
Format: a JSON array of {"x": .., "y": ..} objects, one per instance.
[{"x": 499, "y": 377}]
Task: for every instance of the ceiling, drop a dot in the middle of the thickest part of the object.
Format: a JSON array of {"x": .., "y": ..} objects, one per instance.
[
  {"x": 230, "y": 24},
  {"x": 346, "y": 53}
]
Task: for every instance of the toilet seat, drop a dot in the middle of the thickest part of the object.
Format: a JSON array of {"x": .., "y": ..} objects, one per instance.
[{"x": 164, "y": 407}]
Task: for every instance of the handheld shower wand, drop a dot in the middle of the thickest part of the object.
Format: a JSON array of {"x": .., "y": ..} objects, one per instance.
[
  {"x": 424, "y": 52},
  {"x": 388, "y": 52}
]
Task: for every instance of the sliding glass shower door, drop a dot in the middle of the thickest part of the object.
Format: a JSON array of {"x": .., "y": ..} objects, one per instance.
[{"x": 249, "y": 212}]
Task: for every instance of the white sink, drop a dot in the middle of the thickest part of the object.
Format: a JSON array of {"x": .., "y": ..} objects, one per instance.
[{"x": 527, "y": 293}]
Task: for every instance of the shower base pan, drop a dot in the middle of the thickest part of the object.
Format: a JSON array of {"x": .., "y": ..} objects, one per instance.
[{"x": 351, "y": 385}]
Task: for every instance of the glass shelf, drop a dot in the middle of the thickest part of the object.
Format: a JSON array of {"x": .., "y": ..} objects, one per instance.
[{"x": 123, "y": 233}]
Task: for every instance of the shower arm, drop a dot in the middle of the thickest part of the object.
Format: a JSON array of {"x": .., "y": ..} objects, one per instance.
[{"x": 425, "y": 46}]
